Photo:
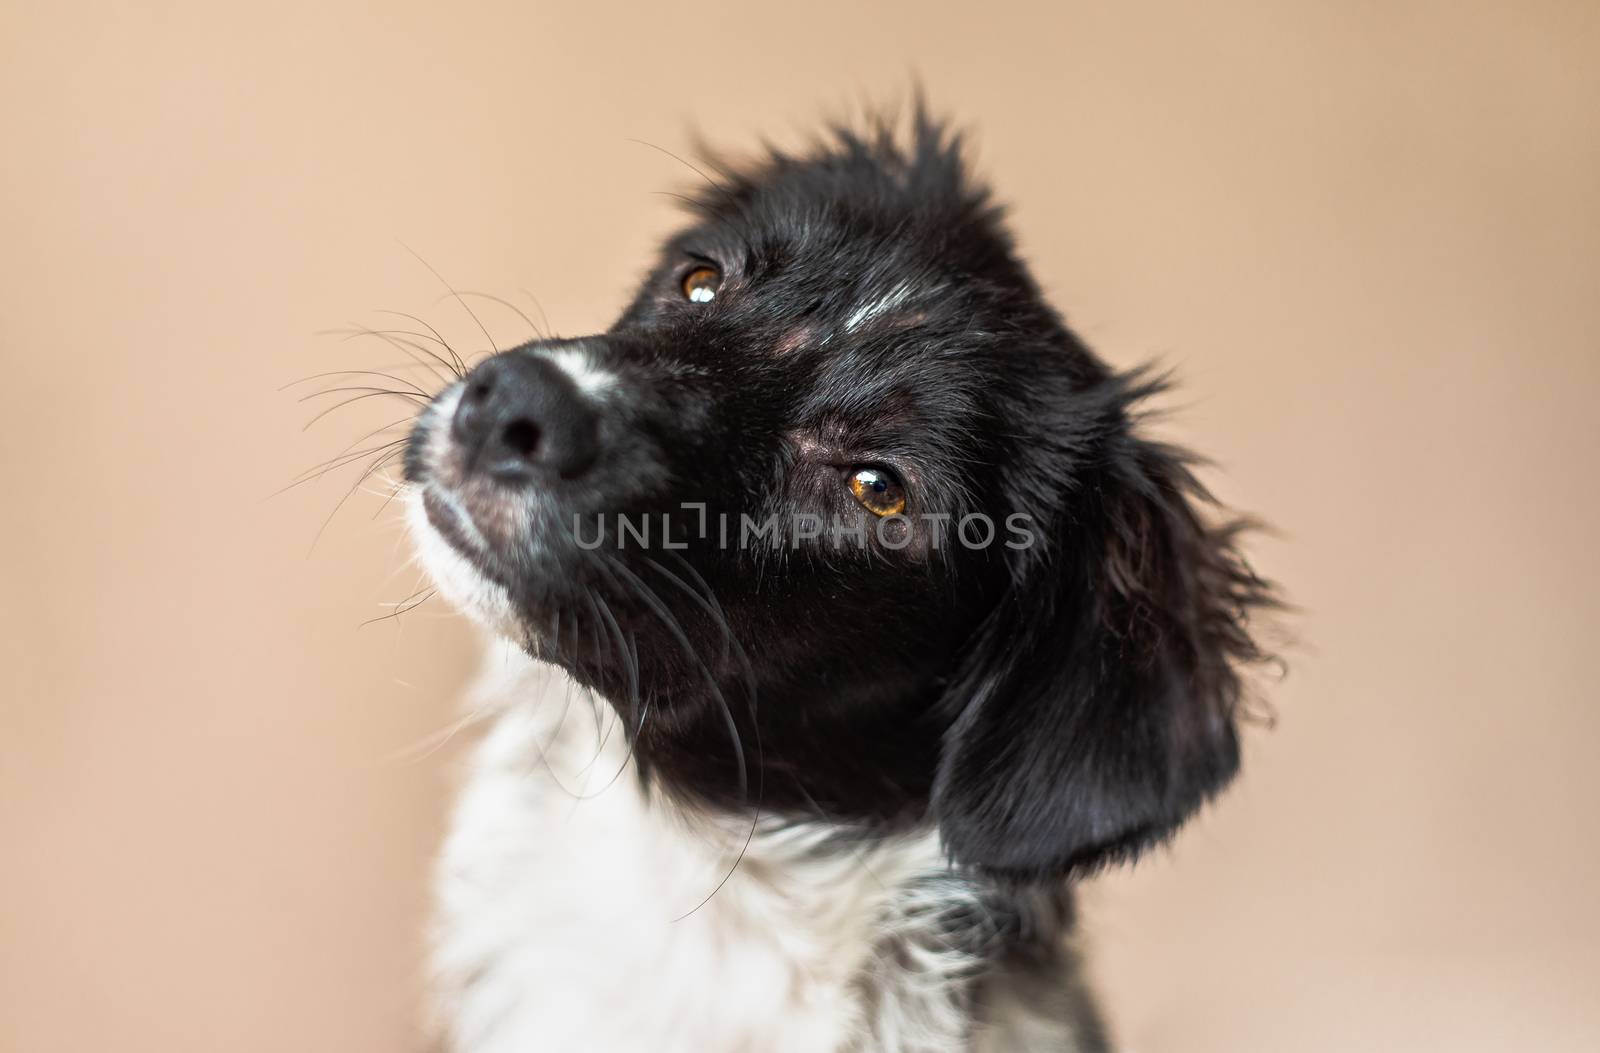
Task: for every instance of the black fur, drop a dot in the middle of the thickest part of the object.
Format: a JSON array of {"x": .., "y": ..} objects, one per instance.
[{"x": 1051, "y": 707}]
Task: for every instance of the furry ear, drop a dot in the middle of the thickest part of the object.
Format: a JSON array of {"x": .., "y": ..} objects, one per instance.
[{"x": 1099, "y": 703}]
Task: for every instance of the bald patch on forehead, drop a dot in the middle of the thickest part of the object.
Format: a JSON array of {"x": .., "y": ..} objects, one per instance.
[{"x": 794, "y": 340}]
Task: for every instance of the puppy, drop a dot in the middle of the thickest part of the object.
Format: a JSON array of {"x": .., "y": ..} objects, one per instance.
[{"x": 847, "y": 619}]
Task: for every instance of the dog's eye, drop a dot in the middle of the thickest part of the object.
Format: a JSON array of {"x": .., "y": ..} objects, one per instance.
[
  {"x": 878, "y": 491},
  {"x": 700, "y": 284}
]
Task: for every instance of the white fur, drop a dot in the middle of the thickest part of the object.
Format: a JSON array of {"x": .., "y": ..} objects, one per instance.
[
  {"x": 458, "y": 581},
  {"x": 574, "y": 911},
  {"x": 866, "y": 312},
  {"x": 580, "y": 366}
]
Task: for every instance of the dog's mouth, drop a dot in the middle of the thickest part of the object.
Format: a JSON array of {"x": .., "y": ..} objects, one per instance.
[
  {"x": 555, "y": 604},
  {"x": 483, "y": 523},
  {"x": 468, "y": 530},
  {"x": 500, "y": 535},
  {"x": 443, "y": 517}
]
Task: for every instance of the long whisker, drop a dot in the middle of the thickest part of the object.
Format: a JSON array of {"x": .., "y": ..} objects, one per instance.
[
  {"x": 550, "y": 333},
  {"x": 459, "y": 299},
  {"x": 357, "y": 398},
  {"x": 644, "y": 708},
  {"x": 712, "y": 183},
  {"x": 668, "y": 619},
  {"x": 604, "y": 728},
  {"x": 395, "y": 491},
  {"x": 684, "y": 198},
  {"x": 374, "y": 433},
  {"x": 717, "y": 187},
  {"x": 362, "y": 330},
  {"x": 355, "y": 373},
  {"x": 455, "y": 365},
  {"x": 316, "y": 472},
  {"x": 377, "y": 464},
  {"x": 648, "y": 595},
  {"x": 710, "y": 604},
  {"x": 508, "y": 305},
  {"x": 405, "y": 606},
  {"x": 430, "y": 744},
  {"x": 707, "y": 602},
  {"x": 420, "y": 354}
]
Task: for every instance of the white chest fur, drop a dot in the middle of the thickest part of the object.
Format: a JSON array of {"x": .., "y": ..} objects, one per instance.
[{"x": 573, "y": 909}]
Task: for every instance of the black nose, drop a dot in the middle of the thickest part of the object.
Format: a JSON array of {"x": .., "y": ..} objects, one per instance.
[{"x": 521, "y": 417}]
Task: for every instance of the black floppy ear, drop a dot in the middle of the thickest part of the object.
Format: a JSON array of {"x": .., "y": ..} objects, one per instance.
[{"x": 1098, "y": 705}]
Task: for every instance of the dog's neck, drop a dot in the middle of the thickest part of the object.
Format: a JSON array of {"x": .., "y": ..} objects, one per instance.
[{"x": 579, "y": 909}]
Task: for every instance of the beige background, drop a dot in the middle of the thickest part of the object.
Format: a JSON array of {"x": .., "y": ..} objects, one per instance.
[{"x": 1364, "y": 232}]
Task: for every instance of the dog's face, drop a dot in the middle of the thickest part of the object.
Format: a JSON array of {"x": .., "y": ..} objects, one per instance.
[{"x": 844, "y": 521}]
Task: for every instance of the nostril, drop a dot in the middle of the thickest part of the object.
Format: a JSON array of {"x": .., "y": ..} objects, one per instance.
[
  {"x": 521, "y": 419},
  {"x": 521, "y": 436}
]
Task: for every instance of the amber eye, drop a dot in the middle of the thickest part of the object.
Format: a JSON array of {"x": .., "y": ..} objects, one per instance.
[
  {"x": 700, "y": 284},
  {"x": 878, "y": 491}
]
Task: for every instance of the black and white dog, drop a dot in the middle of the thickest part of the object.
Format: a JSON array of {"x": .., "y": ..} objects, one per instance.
[{"x": 849, "y": 619}]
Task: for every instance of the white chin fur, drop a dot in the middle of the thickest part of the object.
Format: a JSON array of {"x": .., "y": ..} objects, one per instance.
[{"x": 458, "y": 580}]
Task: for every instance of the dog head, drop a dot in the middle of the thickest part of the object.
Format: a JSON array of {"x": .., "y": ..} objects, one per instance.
[{"x": 844, "y": 521}]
